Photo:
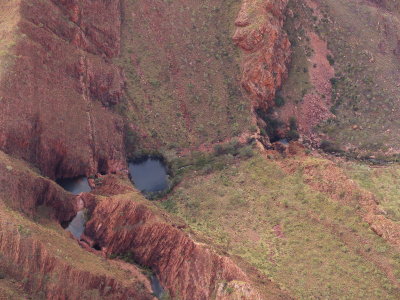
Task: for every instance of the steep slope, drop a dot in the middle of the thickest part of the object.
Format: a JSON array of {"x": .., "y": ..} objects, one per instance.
[
  {"x": 125, "y": 224},
  {"x": 60, "y": 116},
  {"x": 342, "y": 86},
  {"x": 39, "y": 254},
  {"x": 52, "y": 110},
  {"x": 182, "y": 72},
  {"x": 266, "y": 49}
]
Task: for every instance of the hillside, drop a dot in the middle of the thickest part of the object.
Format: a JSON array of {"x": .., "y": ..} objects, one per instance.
[{"x": 274, "y": 124}]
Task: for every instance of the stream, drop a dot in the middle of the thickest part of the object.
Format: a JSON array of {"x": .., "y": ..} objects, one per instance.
[{"x": 76, "y": 186}]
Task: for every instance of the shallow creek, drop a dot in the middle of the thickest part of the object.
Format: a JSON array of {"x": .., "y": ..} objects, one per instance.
[
  {"x": 76, "y": 186},
  {"x": 158, "y": 291}
]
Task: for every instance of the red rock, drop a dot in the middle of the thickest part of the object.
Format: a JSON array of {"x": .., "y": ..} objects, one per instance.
[
  {"x": 52, "y": 113},
  {"x": 124, "y": 223},
  {"x": 266, "y": 49}
]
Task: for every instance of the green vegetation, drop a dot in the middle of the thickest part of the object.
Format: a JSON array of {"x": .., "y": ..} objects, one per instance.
[
  {"x": 364, "y": 94},
  {"x": 279, "y": 101},
  {"x": 306, "y": 242},
  {"x": 182, "y": 73},
  {"x": 292, "y": 134},
  {"x": 202, "y": 163},
  {"x": 365, "y": 90},
  {"x": 272, "y": 124},
  {"x": 330, "y": 59},
  {"x": 298, "y": 82},
  {"x": 383, "y": 182}
]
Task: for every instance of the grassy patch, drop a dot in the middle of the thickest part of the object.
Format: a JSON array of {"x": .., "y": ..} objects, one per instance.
[
  {"x": 182, "y": 72},
  {"x": 273, "y": 221},
  {"x": 364, "y": 95},
  {"x": 383, "y": 182}
]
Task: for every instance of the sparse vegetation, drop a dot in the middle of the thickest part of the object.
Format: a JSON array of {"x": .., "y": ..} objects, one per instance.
[
  {"x": 279, "y": 101},
  {"x": 292, "y": 134},
  {"x": 330, "y": 59},
  {"x": 239, "y": 206},
  {"x": 193, "y": 96}
]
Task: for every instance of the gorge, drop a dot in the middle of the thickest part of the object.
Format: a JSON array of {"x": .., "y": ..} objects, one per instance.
[{"x": 216, "y": 149}]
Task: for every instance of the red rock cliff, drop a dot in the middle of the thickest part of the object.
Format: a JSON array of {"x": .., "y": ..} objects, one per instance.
[
  {"x": 53, "y": 111},
  {"x": 50, "y": 266},
  {"x": 127, "y": 223},
  {"x": 36, "y": 252},
  {"x": 266, "y": 48}
]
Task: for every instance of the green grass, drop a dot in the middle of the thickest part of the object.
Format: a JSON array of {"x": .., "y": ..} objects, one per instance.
[
  {"x": 182, "y": 72},
  {"x": 298, "y": 82},
  {"x": 361, "y": 39},
  {"x": 319, "y": 255},
  {"x": 364, "y": 90},
  {"x": 383, "y": 182}
]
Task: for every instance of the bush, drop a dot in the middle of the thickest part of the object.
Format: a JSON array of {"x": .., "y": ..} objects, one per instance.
[
  {"x": 230, "y": 148},
  {"x": 292, "y": 134},
  {"x": 293, "y": 123},
  {"x": 131, "y": 140},
  {"x": 333, "y": 81},
  {"x": 330, "y": 59},
  {"x": 330, "y": 147},
  {"x": 246, "y": 152},
  {"x": 279, "y": 101}
]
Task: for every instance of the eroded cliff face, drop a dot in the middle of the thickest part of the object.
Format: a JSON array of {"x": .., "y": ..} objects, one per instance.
[
  {"x": 45, "y": 259},
  {"x": 51, "y": 266},
  {"x": 58, "y": 83},
  {"x": 126, "y": 223},
  {"x": 24, "y": 190},
  {"x": 266, "y": 49}
]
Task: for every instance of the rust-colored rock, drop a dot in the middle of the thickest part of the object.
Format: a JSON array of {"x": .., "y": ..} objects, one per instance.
[
  {"x": 52, "y": 110},
  {"x": 127, "y": 223},
  {"x": 24, "y": 190},
  {"x": 266, "y": 48},
  {"x": 45, "y": 271},
  {"x": 45, "y": 259}
]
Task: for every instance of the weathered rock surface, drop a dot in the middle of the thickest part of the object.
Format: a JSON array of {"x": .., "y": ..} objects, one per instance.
[
  {"x": 266, "y": 48},
  {"x": 126, "y": 223},
  {"x": 38, "y": 253},
  {"x": 52, "y": 266},
  {"x": 52, "y": 110},
  {"x": 24, "y": 190}
]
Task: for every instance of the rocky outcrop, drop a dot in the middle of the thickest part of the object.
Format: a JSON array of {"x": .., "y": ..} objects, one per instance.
[
  {"x": 51, "y": 266},
  {"x": 25, "y": 191},
  {"x": 266, "y": 48},
  {"x": 128, "y": 224},
  {"x": 52, "y": 110},
  {"x": 36, "y": 252}
]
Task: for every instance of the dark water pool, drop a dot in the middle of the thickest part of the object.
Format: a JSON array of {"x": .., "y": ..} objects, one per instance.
[
  {"x": 158, "y": 291},
  {"x": 149, "y": 175},
  {"x": 75, "y": 185},
  {"x": 284, "y": 141},
  {"x": 77, "y": 225}
]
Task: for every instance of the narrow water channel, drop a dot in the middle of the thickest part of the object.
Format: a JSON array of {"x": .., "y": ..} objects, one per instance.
[
  {"x": 76, "y": 186},
  {"x": 158, "y": 291},
  {"x": 77, "y": 225},
  {"x": 149, "y": 175}
]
